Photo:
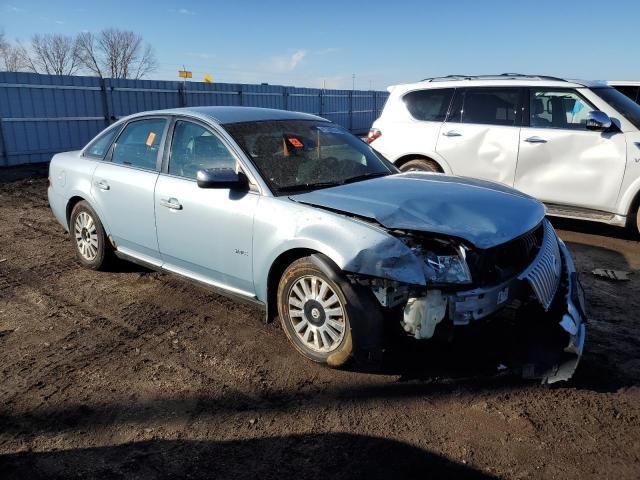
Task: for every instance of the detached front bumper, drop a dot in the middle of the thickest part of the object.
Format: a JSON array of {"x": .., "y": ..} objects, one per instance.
[
  {"x": 545, "y": 304},
  {"x": 573, "y": 321}
]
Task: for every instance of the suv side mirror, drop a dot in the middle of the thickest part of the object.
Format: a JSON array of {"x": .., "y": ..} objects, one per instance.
[
  {"x": 597, "y": 120},
  {"x": 222, "y": 178}
]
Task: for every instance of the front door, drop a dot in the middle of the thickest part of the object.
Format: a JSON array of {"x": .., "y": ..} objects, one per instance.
[
  {"x": 204, "y": 233},
  {"x": 563, "y": 163},
  {"x": 123, "y": 188},
  {"x": 480, "y": 137}
]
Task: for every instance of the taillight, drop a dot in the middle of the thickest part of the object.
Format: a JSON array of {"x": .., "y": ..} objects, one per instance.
[{"x": 373, "y": 134}]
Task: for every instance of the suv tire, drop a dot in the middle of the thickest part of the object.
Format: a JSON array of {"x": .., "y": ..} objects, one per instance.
[{"x": 421, "y": 165}]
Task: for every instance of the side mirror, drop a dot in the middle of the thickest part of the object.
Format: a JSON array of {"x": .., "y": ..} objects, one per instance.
[
  {"x": 597, "y": 120},
  {"x": 222, "y": 178}
]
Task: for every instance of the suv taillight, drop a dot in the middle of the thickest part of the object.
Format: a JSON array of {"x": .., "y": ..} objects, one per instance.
[{"x": 373, "y": 134}]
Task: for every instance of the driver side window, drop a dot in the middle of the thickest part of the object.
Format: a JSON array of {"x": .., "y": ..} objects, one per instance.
[{"x": 194, "y": 147}]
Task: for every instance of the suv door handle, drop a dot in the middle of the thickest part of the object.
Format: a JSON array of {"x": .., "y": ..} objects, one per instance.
[
  {"x": 102, "y": 185},
  {"x": 171, "y": 203},
  {"x": 535, "y": 140},
  {"x": 451, "y": 133}
]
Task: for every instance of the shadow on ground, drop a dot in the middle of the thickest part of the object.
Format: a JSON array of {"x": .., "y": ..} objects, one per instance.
[{"x": 322, "y": 456}]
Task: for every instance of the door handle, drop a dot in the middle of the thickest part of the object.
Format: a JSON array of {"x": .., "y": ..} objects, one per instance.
[
  {"x": 451, "y": 133},
  {"x": 171, "y": 203},
  {"x": 102, "y": 185},
  {"x": 535, "y": 140}
]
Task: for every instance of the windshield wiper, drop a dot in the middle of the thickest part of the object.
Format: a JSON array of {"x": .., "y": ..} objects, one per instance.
[
  {"x": 308, "y": 186},
  {"x": 366, "y": 176}
]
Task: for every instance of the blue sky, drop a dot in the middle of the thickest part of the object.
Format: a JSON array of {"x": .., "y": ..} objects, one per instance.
[{"x": 307, "y": 43}]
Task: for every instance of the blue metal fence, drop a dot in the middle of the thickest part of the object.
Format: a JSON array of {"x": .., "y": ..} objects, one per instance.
[{"x": 41, "y": 115}]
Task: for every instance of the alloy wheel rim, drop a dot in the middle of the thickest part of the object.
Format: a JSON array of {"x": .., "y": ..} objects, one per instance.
[
  {"x": 86, "y": 235},
  {"x": 317, "y": 314}
]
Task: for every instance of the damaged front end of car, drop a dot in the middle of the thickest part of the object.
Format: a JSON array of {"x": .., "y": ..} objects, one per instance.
[{"x": 529, "y": 279}]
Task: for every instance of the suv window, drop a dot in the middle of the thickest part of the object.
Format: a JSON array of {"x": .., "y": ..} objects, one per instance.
[
  {"x": 558, "y": 109},
  {"x": 430, "y": 105},
  {"x": 99, "y": 147},
  {"x": 139, "y": 142},
  {"x": 195, "y": 147},
  {"x": 623, "y": 105},
  {"x": 490, "y": 106},
  {"x": 630, "y": 91}
]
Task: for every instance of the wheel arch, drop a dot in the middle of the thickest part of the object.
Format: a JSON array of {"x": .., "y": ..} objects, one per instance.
[
  {"x": 73, "y": 201},
  {"x": 444, "y": 167},
  {"x": 278, "y": 267},
  {"x": 629, "y": 199}
]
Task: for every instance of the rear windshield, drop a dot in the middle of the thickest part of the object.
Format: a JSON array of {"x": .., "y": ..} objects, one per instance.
[{"x": 623, "y": 104}]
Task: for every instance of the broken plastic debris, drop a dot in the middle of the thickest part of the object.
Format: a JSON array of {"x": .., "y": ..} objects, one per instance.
[{"x": 616, "y": 275}]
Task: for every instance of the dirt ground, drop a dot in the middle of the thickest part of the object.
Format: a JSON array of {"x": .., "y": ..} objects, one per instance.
[{"x": 135, "y": 374}]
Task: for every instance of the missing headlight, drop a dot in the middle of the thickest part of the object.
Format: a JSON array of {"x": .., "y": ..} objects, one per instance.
[{"x": 444, "y": 261}]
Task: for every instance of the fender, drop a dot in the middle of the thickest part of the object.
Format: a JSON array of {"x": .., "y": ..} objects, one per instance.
[{"x": 352, "y": 245}]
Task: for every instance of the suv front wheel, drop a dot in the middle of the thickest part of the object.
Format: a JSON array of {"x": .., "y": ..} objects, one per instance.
[{"x": 421, "y": 165}]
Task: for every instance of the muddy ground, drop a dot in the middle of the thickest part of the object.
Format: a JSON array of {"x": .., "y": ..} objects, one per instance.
[{"x": 135, "y": 374}]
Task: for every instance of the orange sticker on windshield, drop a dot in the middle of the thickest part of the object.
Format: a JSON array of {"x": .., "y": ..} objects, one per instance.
[
  {"x": 295, "y": 142},
  {"x": 150, "y": 139}
]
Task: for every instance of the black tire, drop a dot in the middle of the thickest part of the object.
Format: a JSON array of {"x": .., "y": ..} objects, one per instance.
[
  {"x": 98, "y": 254},
  {"x": 633, "y": 223},
  {"x": 302, "y": 270},
  {"x": 421, "y": 165}
]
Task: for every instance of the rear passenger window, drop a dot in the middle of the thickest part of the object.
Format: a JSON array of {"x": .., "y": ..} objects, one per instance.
[
  {"x": 138, "y": 144},
  {"x": 491, "y": 106},
  {"x": 429, "y": 105},
  {"x": 99, "y": 147},
  {"x": 194, "y": 148}
]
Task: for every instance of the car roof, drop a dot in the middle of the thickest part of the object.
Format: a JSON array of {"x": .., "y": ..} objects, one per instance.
[
  {"x": 227, "y": 114},
  {"x": 622, "y": 83},
  {"x": 510, "y": 80}
]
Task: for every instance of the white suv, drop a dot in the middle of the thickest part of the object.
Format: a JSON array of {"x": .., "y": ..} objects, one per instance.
[{"x": 574, "y": 145}]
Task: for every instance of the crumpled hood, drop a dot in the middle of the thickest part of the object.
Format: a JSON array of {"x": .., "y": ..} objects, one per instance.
[{"x": 483, "y": 213}]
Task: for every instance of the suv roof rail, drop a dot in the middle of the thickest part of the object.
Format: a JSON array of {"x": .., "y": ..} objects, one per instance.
[{"x": 503, "y": 76}]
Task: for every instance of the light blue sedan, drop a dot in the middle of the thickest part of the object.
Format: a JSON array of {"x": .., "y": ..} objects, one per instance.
[{"x": 292, "y": 212}]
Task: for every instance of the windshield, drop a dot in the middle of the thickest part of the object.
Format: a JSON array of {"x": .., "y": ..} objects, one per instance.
[
  {"x": 623, "y": 104},
  {"x": 303, "y": 155}
]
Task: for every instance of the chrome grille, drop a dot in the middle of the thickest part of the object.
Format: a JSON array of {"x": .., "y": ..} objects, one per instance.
[{"x": 544, "y": 272}]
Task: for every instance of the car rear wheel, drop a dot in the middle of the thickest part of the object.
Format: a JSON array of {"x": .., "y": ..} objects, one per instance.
[
  {"x": 89, "y": 239},
  {"x": 421, "y": 165},
  {"x": 314, "y": 315}
]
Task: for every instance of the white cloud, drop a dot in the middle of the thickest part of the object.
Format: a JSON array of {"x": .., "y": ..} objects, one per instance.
[
  {"x": 324, "y": 51},
  {"x": 184, "y": 11},
  {"x": 14, "y": 9},
  {"x": 285, "y": 63},
  {"x": 202, "y": 55}
]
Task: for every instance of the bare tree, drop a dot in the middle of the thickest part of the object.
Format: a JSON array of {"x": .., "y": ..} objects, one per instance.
[
  {"x": 54, "y": 54},
  {"x": 13, "y": 57},
  {"x": 116, "y": 53},
  {"x": 88, "y": 54}
]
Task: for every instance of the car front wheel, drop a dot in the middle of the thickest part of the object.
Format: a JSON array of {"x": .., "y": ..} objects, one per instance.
[
  {"x": 89, "y": 239},
  {"x": 314, "y": 315}
]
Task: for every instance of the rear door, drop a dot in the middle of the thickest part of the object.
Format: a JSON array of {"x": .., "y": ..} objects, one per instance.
[
  {"x": 481, "y": 134},
  {"x": 563, "y": 163},
  {"x": 123, "y": 187}
]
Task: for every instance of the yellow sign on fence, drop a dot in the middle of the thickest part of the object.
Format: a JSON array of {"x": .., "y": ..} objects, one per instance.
[{"x": 185, "y": 74}]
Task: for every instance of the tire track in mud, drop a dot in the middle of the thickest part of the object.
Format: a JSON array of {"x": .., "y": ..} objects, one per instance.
[{"x": 141, "y": 326}]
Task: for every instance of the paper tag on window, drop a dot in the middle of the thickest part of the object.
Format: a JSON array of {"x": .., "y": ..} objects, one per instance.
[
  {"x": 295, "y": 142},
  {"x": 150, "y": 139}
]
